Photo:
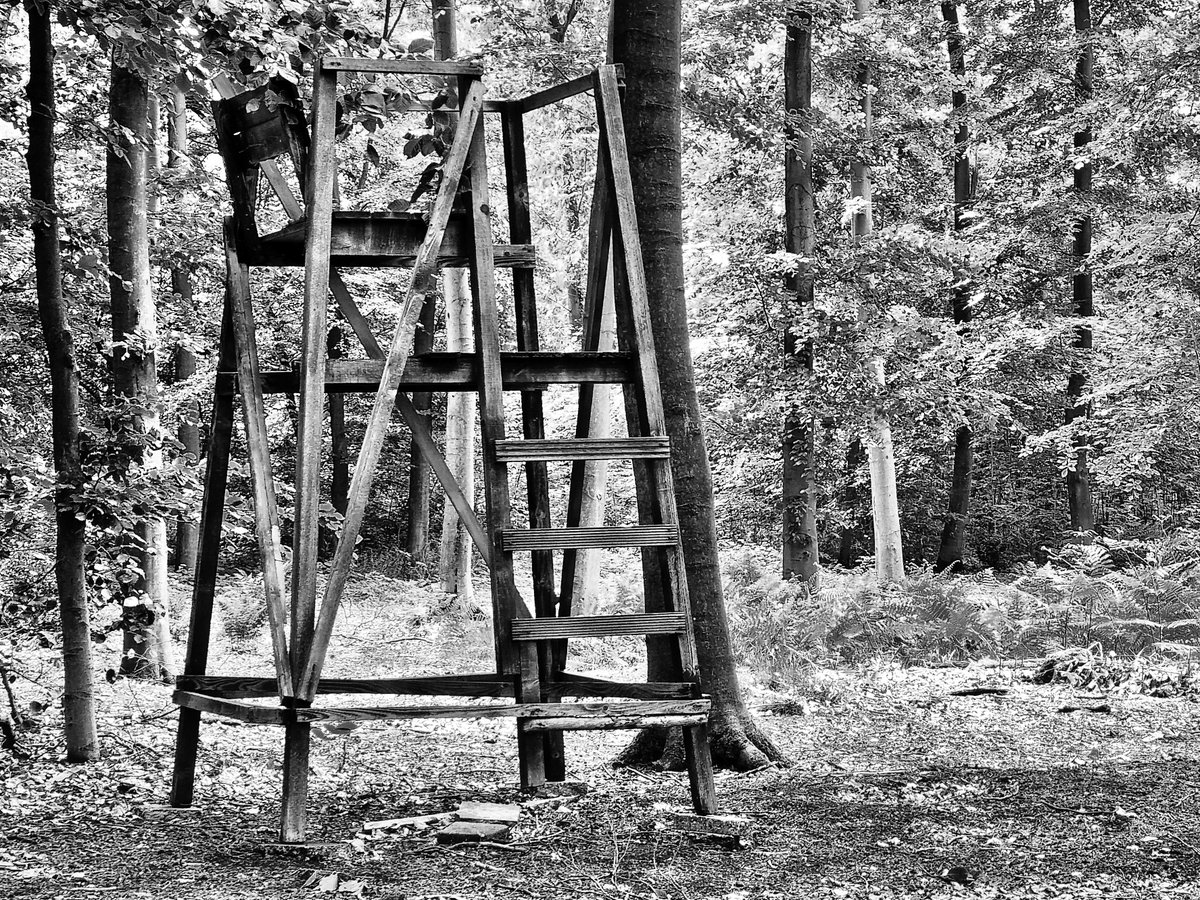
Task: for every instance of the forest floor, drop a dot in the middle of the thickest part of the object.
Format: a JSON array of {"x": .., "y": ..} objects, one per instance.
[{"x": 897, "y": 787}]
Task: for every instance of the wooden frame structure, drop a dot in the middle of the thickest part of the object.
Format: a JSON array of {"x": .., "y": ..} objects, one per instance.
[{"x": 531, "y": 645}]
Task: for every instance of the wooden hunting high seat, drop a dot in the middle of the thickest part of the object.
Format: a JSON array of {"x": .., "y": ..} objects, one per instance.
[
  {"x": 531, "y": 683},
  {"x": 254, "y": 130}
]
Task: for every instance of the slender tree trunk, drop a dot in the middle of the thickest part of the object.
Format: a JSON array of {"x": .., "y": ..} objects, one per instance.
[
  {"x": 849, "y": 550},
  {"x": 885, "y": 506},
  {"x": 454, "y": 569},
  {"x": 1079, "y": 490},
  {"x": 800, "y": 555},
  {"x": 339, "y": 491},
  {"x": 419, "y": 487},
  {"x": 187, "y": 534},
  {"x": 646, "y": 38},
  {"x": 147, "y": 651},
  {"x": 79, "y": 719},
  {"x": 595, "y": 473},
  {"x": 954, "y": 532},
  {"x": 455, "y": 559}
]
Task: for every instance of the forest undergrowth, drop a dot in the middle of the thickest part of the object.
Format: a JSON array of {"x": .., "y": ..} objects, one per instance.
[{"x": 916, "y": 771}]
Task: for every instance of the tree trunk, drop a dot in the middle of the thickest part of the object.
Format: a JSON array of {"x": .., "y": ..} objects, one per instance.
[
  {"x": 147, "y": 651},
  {"x": 419, "y": 487},
  {"x": 454, "y": 569},
  {"x": 800, "y": 552},
  {"x": 595, "y": 472},
  {"x": 456, "y": 550},
  {"x": 79, "y": 719},
  {"x": 646, "y": 38},
  {"x": 885, "y": 507},
  {"x": 187, "y": 533},
  {"x": 849, "y": 550},
  {"x": 1079, "y": 490},
  {"x": 954, "y": 532}
]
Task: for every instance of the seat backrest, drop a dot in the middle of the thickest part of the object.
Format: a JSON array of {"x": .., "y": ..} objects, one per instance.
[{"x": 253, "y": 128}]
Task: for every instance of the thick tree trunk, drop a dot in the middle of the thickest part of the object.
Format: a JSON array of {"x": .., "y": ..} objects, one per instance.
[
  {"x": 79, "y": 719},
  {"x": 187, "y": 533},
  {"x": 147, "y": 650},
  {"x": 800, "y": 555},
  {"x": 885, "y": 507},
  {"x": 954, "y": 532},
  {"x": 1079, "y": 490},
  {"x": 646, "y": 38}
]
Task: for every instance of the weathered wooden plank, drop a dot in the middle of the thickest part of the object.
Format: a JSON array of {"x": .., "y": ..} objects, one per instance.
[
  {"x": 569, "y": 449},
  {"x": 422, "y": 283},
  {"x": 558, "y": 92},
  {"x": 266, "y": 510},
  {"x": 530, "y": 711},
  {"x": 514, "y": 539},
  {"x": 231, "y": 709},
  {"x": 472, "y": 832},
  {"x": 240, "y": 686},
  {"x": 204, "y": 579},
  {"x": 290, "y": 252},
  {"x": 401, "y": 66},
  {"x": 614, "y": 722},
  {"x": 568, "y": 684},
  {"x": 455, "y": 371},
  {"x": 598, "y": 626}
]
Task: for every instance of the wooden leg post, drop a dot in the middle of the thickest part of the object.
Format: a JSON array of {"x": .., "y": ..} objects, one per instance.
[
  {"x": 297, "y": 736},
  {"x": 187, "y": 741}
]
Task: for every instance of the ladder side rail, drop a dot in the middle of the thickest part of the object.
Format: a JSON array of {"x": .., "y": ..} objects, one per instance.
[{"x": 631, "y": 276}]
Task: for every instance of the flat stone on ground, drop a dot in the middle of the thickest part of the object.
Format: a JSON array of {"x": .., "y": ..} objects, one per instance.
[
  {"x": 472, "y": 832},
  {"x": 472, "y": 811}
]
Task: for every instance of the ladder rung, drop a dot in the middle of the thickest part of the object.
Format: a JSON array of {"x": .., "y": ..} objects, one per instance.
[
  {"x": 570, "y": 449},
  {"x": 589, "y": 538},
  {"x": 551, "y": 629}
]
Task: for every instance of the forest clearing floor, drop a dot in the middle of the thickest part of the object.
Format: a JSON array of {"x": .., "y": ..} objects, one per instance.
[{"x": 895, "y": 781}]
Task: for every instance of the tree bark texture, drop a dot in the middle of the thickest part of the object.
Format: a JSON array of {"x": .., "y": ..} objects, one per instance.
[
  {"x": 885, "y": 507},
  {"x": 187, "y": 532},
  {"x": 339, "y": 490},
  {"x": 79, "y": 719},
  {"x": 954, "y": 533},
  {"x": 454, "y": 568},
  {"x": 147, "y": 651},
  {"x": 646, "y": 38},
  {"x": 800, "y": 551},
  {"x": 1079, "y": 490}
]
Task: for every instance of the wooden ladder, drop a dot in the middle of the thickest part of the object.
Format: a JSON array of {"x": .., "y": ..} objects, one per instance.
[{"x": 535, "y": 648}]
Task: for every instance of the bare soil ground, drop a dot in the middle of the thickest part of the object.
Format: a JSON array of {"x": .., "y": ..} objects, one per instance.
[{"x": 897, "y": 789}]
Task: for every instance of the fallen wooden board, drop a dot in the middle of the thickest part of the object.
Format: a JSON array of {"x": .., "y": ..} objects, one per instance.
[
  {"x": 472, "y": 811},
  {"x": 408, "y": 822},
  {"x": 472, "y": 832},
  {"x": 727, "y": 826}
]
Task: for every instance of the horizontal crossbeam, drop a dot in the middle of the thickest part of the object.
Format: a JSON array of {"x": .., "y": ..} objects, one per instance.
[
  {"x": 401, "y": 66},
  {"x": 240, "y": 686},
  {"x": 547, "y": 629},
  {"x": 455, "y": 372},
  {"x": 516, "y": 539},
  {"x": 572, "y": 449}
]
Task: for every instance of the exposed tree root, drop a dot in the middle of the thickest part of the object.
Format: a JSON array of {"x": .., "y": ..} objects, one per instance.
[{"x": 736, "y": 741}]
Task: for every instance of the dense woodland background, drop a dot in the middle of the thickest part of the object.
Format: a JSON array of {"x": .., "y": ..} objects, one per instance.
[{"x": 976, "y": 326}]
